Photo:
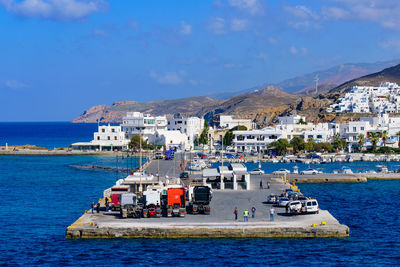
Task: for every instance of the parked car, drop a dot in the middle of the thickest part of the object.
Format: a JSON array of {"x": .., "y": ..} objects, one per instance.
[
  {"x": 184, "y": 175},
  {"x": 292, "y": 195},
  {"x": 311, "y": 206},
  {"x": 256, "y": 172},
  {"x": 272, "y": 198},
  {"x": 294, "y": 207},
  {"x": 309, "y": 171},
  {"x": 283, "y": 202},
  {"x": 281, "y": 172}
]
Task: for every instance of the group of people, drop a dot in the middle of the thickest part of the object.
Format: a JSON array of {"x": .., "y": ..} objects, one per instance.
[
  {"x": 97, "y": 206},
  {"x": 253, "y": 213}
]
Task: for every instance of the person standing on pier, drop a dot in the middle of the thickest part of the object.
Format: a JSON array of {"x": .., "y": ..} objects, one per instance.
[
  {"x": 246, "y": 215},
  {"x": 235, "y": 211},
  {"x": 92, "y": 207},
  {"x": 268, "y": 185},
  {"x": 107, "y": 205},
  {"x": 271, "y": 214},
  {"x": 261, "y": 186},
  {"x": 98, "y": 207},
  {"x": 253, "y": 212}
]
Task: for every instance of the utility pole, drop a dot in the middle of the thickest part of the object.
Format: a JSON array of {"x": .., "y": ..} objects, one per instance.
[{"x": 316, "y": 79}]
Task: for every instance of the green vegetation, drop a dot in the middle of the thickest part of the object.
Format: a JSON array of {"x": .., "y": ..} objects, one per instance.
[
  {"x": 136, "y": 141},
  {"x": 203, "y": 139},
  {"x": 280, "y": 146},
  {"x": 373, "y": 138},
  {"x": 297, "y": 143}
]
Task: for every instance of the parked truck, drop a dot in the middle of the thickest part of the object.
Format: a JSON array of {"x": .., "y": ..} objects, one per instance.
[
  {"x": 152, "y": 203},
  {"x": 129, "y": 206},
  {"x": 116, "y": 192},
  {"x": 201, "y": 198},
  {"x": 176, "y": 201},
  {"x": 169, "y": 154}
]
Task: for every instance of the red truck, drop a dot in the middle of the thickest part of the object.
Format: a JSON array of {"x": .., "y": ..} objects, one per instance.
[
  {"x": 176, "y": 201},
  {"x": 116, "y": 192}
]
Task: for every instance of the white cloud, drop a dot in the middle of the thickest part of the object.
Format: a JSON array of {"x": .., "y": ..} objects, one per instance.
[
  {"x": 392, "y": 44},
  {"x": 99, "y": 33},
  {"x": 238, "y": 25},
  {"x": 262, "y": 56},
  {"x": 168, "y": 78},
  {"x": 133, "y": 24},
  {"x": 272, "y": 40},
  {"x": 298, "y": 51},
  {"x": 217, "y": 25},
  {"x": 186, "y": 29},
  {"x": 251, "y": 6},
  {"x": 335, "y": 13},
  {"x": 301, "y": 12},
  {"x": 14, "y": 84},
  {"x": 54, "y": 9}
]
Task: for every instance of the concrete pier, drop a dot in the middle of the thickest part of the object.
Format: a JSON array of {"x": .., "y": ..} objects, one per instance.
[{"x": 220, "y": 223}]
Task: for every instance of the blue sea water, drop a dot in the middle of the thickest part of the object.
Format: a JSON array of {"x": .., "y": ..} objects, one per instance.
[
  {"x": 42, "y": 195},
  {"x": 45, "y": 134}
]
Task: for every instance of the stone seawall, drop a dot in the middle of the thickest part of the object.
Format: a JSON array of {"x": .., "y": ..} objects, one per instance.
[{"x": 211, "y": 232}]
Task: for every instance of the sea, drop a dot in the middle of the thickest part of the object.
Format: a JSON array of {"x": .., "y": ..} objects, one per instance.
[{"x": 42, "y": 195}]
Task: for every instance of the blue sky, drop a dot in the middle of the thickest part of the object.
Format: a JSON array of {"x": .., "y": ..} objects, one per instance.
[{"x": 60, "y": 57}]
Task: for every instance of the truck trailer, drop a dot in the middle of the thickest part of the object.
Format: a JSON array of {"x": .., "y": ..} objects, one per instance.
[
  {"x": 201, "y": 199},
  {"x": 152, "y": 203},
  {"x": 176, "y": 201},
  {"x": 116, "y": 192},
  {"x": 129, "y": 206}
]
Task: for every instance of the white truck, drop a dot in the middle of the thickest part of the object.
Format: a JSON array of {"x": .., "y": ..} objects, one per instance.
[
  {"x": 129, "y": 206},
  {"x": 152, "y": 203}
]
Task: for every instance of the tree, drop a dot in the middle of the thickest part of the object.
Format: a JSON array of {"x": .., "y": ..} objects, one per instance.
[
  {"x": 361, "y": 141},
  {"x": 322, "y": 146},
  {"x": 373, "y": 138},
  {"x": 301, "y": 121},
  {"x": 203, "y": 139},
  {"x": 297, "y": 143},
  {"x": 309, "y": 146},
  {"x": 135, "y": 142},
  {"x": 281, "y": 146},
  {"x": 229, "y": 134},
  {"x": 337, "y": 141},
  {"x": 385, "y": 137}
]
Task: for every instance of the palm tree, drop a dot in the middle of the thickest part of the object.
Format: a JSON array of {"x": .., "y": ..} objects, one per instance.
[
  {"x": 337, "y": 141},
  {"x": 361, "y": 140},
  {"x": 398, "y": 138},
  {"x": 384, "y": 137},
  {"x": 373, "y": 138}
]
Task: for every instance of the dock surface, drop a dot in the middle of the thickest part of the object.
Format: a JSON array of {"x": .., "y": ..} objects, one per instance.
[{"x": 220, "y": 223}]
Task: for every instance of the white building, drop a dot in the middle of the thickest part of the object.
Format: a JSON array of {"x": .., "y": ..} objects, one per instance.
[
  {"x": 169, "y": 139},
  {"x": 293, "y": 119},
  {"x": 107, "y": 138},
  {"x": 384, "y": 98},
  {"x": 228, "y": 122},
  {"x": 136, "y": 123},
  {"x": 190, "y": 126},
  {"x": 257, "y": 140}
]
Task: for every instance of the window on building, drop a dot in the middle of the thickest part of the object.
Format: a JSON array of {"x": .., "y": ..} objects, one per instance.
[
  {"x": 113, "y": 130},
  {"x": 319, "y": 136},
  {"x": 115, "y": 138},
  {"x": 354, "y": 129},
  {"x": 362, "y": 128},
  {"x": 108, "y": 137},
  {"x": 103, "y": 130},
  {"x": 98, "y": 137}
]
